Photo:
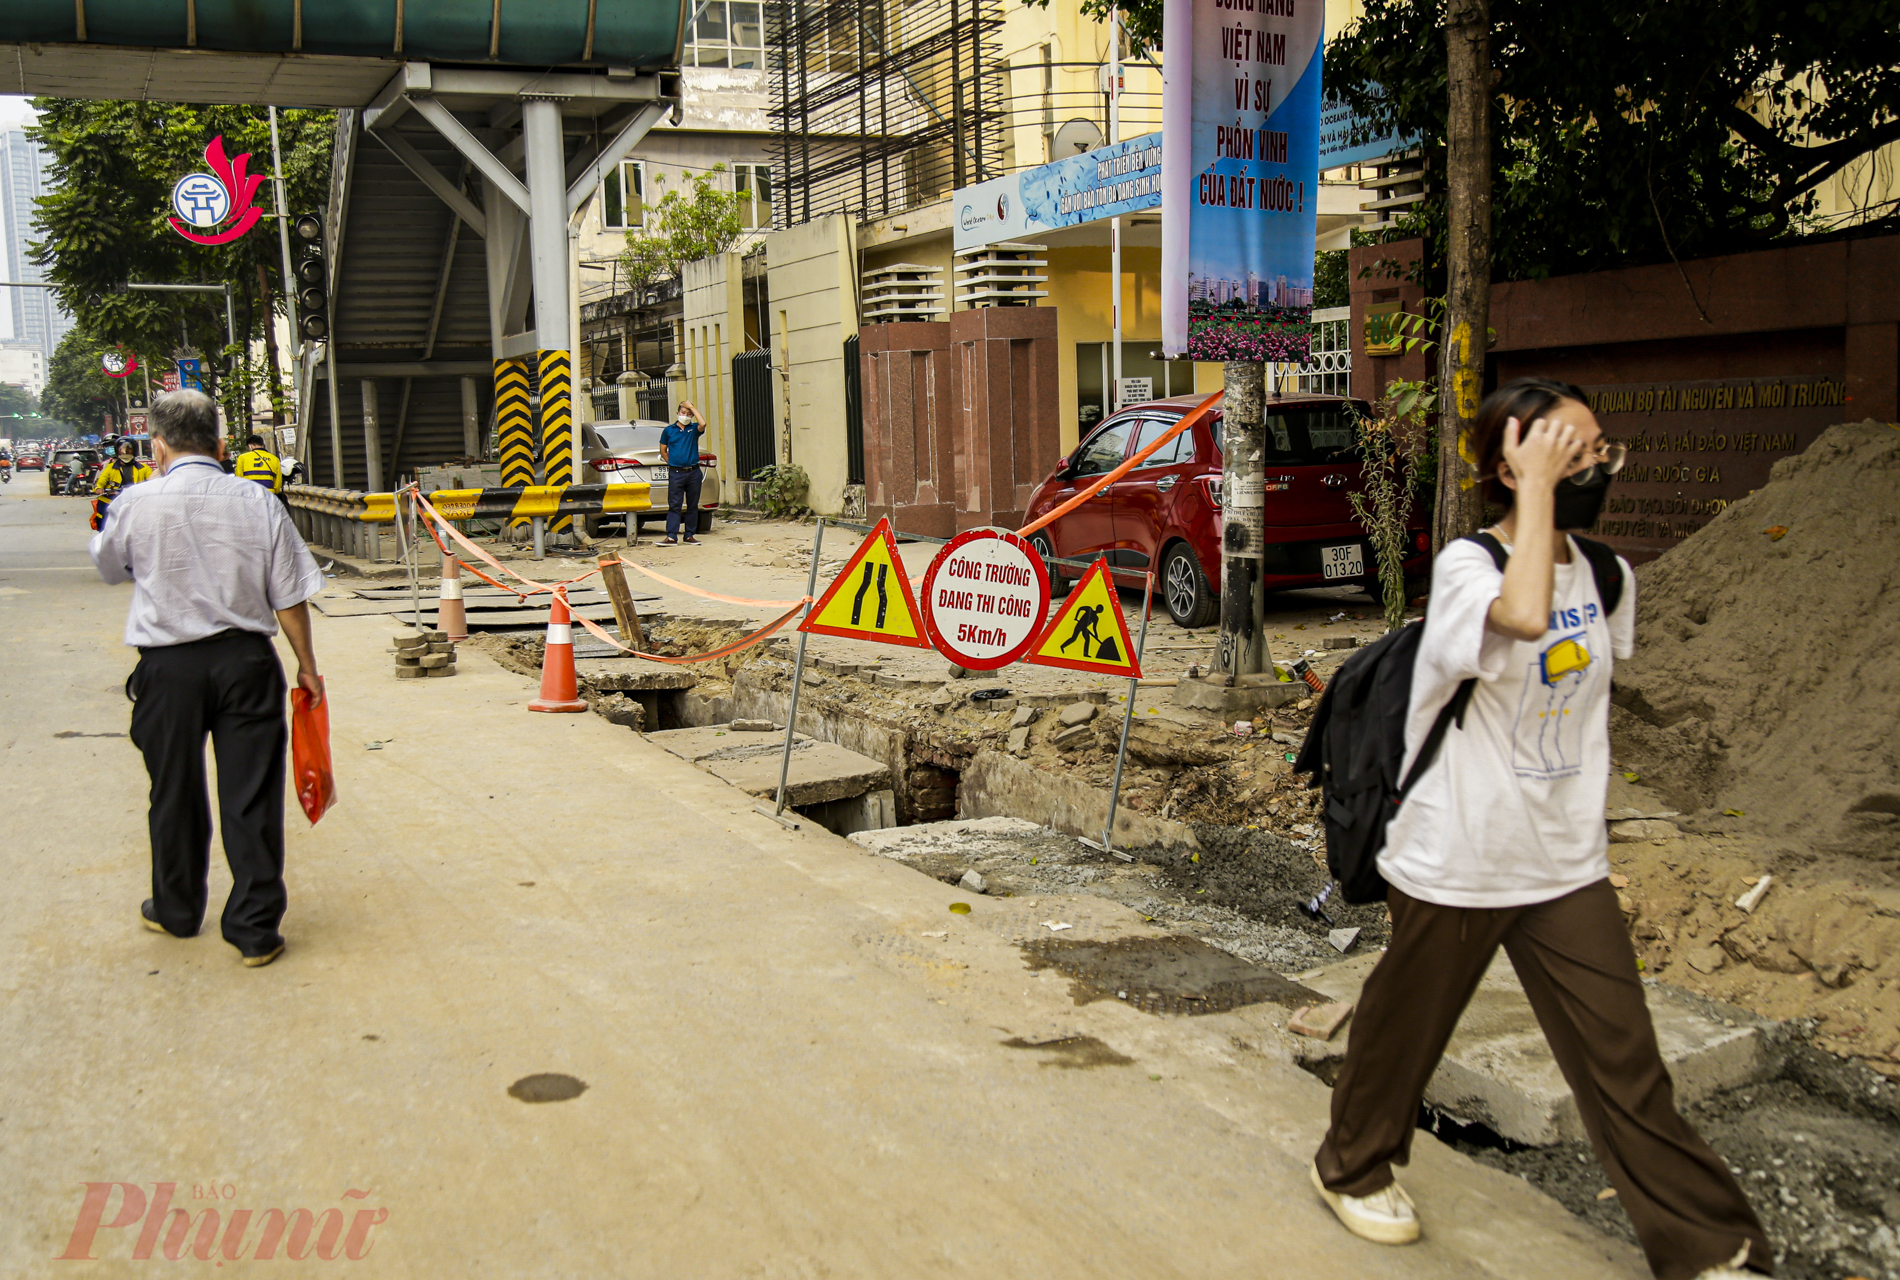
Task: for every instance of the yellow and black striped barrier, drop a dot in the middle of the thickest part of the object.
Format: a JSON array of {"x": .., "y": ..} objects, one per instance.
[
  {"x": 516, "y": 504},
  {"x": 557, "y": 425},
  {"x": 514, "y": 424}
]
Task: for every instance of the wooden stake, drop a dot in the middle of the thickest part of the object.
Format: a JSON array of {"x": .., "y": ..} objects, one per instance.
[{"x": 615, "y": 579}]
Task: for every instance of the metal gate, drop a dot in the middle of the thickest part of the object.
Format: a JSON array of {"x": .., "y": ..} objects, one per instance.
[
  {"x": 1328, "y": 367},
  {"x": 752, "y": 412},
  {"x": 853, "y": 413}
]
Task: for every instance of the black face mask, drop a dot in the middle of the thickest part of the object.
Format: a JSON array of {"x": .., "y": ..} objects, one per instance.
[{"x": 1578, "y": 505}]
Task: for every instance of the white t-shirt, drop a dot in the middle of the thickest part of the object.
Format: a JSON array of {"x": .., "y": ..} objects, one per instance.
[{"x": 1511, "y": 812}]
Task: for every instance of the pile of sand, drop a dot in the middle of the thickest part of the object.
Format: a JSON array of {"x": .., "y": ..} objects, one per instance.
[{"x": 1767, "y": 671}]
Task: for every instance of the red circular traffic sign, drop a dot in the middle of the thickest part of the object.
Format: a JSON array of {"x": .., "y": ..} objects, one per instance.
[{"x": 985, "y": 599}]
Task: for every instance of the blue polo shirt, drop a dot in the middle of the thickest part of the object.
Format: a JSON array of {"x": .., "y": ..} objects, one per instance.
[{"x": 681, "y": 444}]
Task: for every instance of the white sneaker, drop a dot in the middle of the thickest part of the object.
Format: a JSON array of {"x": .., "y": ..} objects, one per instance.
[
  {"x": 1387, "y": 1216},
  {"x": 1733, "y": 1269}
]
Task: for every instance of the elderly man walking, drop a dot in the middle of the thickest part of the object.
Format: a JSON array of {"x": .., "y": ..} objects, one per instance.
[{"x": 216, "y": 567}]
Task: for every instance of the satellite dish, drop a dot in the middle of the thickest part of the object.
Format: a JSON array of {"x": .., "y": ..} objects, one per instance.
[{"x": 1075, "y": 137}]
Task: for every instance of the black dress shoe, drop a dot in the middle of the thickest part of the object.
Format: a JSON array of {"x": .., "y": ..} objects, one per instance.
[{"x": 149, "y": 911}]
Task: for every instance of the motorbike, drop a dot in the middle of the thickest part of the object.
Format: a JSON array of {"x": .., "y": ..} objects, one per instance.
[
  {"x": 79, "y": 480},
  {"x": 6, "y": 473}
]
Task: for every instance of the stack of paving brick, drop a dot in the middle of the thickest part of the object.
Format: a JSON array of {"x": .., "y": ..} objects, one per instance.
[{"x": 423, "y": 652}]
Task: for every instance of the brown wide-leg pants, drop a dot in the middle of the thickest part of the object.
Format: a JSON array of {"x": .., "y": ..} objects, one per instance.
[{"x": 1578, "y": 970}]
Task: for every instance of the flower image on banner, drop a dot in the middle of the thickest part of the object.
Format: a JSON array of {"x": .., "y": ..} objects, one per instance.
[{"x": 1241, "y": 172}]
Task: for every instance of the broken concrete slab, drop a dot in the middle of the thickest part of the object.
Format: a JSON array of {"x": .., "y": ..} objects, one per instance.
[
  {"x": 1018, "y": 741},
  {"x": 751, "y": 726},
  {"x": 1074, "y": 735},
  {"x": 819, "y": 772},
  {"x": 1639, "y": 829},
  {"x": 974, "y": 882},
  {"x": 1498, "y": 1071},
  {"x": 907, "y": 683},
  {"x": 1024, "y": 717},
  {"x": 633, "y": 675},
  {"x": 719, "y": 741},
  {"x": 1077, "y": 713},
  {"x": 1319, "y": 1021},
  {"x": 907, "y": 843}
]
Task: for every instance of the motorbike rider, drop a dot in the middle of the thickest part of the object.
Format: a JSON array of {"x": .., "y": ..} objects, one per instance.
[
  {"x": 260, "y": 466},
  {"x": 6, "y": 467},
  {"x": 125, "y": 468}
]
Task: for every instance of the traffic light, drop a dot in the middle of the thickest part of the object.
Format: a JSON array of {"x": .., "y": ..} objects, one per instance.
[{"x": 313, "y": 279}]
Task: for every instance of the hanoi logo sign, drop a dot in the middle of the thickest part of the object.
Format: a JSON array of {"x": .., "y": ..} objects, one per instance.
[{"x": 202, "y": 202}]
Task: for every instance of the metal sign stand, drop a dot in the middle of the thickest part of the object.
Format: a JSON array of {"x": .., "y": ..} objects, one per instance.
[
  {"x": 1107, "y": 844},
  {"x": 777, "y": 812},
  {"x": 407, "y": 529}
]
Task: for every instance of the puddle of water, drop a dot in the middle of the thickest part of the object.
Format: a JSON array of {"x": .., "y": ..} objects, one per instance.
[
  {"x": 546, "y": 1086},
  {"x": 1164, "y": 975},
  {"x": 1073, "y": 1053}
]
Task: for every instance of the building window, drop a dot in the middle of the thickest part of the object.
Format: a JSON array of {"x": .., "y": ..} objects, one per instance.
[
  {"x": 623, "y": 196},
  {"x": 753, "y": 182},
  {"x": 727, "y": 33}
]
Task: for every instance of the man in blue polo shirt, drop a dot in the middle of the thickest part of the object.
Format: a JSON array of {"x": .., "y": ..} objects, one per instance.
[{"x": 683, "y": 478}]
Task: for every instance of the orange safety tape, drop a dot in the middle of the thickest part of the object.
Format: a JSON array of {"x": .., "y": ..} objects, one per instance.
[
  {"x": 1188, "y": 419},
  {"x": 721, "y": 652},
  {"x": 710, "y": 595},
  {"x": 536, "y": 588}
]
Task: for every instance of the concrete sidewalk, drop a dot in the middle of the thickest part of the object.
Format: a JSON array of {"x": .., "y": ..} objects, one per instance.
[{"x": 794, "y": 1053}]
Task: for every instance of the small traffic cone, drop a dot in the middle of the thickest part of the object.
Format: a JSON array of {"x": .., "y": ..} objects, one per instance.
[
  {"x": 558, "y": 687},
  {"x": 450, "y": 615}
]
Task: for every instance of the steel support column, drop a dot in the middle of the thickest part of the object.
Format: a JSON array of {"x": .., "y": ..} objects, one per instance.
[{"x": 546, "y": 162}]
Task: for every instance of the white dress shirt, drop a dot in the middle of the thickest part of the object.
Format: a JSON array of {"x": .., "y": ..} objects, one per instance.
[{"x": 205, "y": 552}]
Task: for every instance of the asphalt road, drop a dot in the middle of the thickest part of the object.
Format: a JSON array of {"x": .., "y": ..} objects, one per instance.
[{"x": 794, "y": 1055}]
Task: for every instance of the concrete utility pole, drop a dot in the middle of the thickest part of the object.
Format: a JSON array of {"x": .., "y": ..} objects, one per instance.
[
  {"x": 1468, "y": 274},
  {"x": 1243, "y": 641}
]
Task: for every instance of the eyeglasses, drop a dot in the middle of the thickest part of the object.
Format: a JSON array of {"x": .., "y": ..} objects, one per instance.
[{"x": 1605, "y": 460}]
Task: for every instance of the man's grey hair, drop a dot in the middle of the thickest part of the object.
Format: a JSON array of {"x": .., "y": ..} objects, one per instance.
[{"x": 187, "y": 421}]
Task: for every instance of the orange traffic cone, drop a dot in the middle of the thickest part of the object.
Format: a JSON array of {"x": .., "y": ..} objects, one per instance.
[
  {"x": 558, "y": 687},
  {"x": 451, "y": 616}
]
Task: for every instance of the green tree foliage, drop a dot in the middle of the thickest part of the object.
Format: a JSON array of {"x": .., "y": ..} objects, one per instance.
[
  {"x": 78, "y": 391},
  {"x": 15, "y": 402},
  {"x": 1332, "y": 287},
  {"x": 103, "y": 222},
  {"x": 686, "y": 227},
  {"x": 1641, "y": 132}
]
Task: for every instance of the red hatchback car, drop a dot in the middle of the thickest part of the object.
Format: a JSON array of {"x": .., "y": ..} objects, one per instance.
[{"x": 1166, "y": 513}]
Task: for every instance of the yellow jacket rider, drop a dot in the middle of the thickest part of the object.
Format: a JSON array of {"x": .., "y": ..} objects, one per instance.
[
  {"x": 125, "y": 468},
  {"x": 260, "y": 466}
]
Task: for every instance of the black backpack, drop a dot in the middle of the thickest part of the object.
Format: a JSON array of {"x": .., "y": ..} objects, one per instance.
[{"x": 1356, "y": 744}]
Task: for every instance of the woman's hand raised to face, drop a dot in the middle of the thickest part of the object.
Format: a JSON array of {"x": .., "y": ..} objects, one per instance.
[{"x": 1541, "y": 456}]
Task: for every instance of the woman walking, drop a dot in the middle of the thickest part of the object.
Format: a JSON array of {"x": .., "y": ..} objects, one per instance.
[{"x": 1502, "y": 843}]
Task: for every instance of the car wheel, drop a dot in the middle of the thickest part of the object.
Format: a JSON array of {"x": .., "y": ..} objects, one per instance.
[
  {"x": 1058, "y": 585},
  {"x": 705, "y": 521},
  {"x": 1191, "y": 602}
]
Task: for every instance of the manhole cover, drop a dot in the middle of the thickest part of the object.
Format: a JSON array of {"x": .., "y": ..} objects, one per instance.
[
  {"x": 546, "y": 1087},
  {"x": 1164, "y": 975}
]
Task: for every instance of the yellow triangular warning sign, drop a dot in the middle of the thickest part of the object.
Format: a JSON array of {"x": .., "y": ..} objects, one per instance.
[
  {"x": 1088, "y": 632},
  {"x": 871, "y": 599}
]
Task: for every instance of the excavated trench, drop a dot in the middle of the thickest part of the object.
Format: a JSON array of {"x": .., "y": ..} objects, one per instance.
[{"x": 1816, "y": 1146}]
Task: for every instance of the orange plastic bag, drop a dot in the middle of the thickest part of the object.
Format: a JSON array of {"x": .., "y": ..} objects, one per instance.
[{"x": 310, "y": 754}]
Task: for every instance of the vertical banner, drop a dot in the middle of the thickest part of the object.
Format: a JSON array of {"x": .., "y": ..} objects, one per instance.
[{"x": 1240, "y": 110}]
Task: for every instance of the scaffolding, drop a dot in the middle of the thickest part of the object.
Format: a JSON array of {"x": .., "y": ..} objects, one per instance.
[{"x": 883, "y": 105}]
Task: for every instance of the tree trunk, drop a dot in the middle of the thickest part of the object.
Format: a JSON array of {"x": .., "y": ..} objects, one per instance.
[
  {"x": 1468, "y": 268},
  {"x": 1243, "y": 643},
  {"x": 270, "y": 348}
]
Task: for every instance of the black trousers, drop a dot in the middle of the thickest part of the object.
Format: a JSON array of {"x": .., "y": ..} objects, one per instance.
[
  {"x": 682, "y": 490},
  {"x": 230, "y": 686}
]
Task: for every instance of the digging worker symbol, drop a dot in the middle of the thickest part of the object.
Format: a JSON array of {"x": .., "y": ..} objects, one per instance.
[
  {"x": 1085, "y": 619},
  {"x": 883, "y": 599}
]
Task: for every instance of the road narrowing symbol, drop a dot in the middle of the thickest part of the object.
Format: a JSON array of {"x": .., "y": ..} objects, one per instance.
[
  {"x": 871, "y": 599},
  {"x": 1089, "y": 633}
]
